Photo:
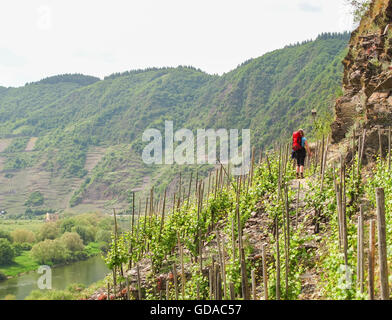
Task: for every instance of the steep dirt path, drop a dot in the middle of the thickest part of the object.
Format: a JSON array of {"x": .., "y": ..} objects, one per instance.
[
  {"x": 309, "y": 278},
  {"x": 258, "y": 226}
]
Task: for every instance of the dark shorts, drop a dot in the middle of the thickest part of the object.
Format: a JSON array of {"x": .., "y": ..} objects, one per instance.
[{"x": 300, "y": 155}]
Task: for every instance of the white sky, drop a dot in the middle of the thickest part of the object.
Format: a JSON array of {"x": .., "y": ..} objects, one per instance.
[{"x": 40, "y": 38}]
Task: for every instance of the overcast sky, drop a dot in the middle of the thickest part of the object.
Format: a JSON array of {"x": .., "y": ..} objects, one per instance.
[{"x": 40, "y": 38}]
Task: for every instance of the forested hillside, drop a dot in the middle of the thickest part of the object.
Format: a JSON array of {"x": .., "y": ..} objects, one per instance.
[{"x": 81, "y": 136}]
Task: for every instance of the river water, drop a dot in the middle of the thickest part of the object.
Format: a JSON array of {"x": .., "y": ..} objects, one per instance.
[{"x": 86, "y": 272}]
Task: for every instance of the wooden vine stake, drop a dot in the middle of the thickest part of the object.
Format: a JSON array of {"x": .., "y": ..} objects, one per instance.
[
  {"x": 167, "y": 290},
  {"x": 144, "y": 227},
  {"x": 233, "y": 236},
  {"x": 132, "y": 228},
  {"x": 252, "y": 166},
  {"x": 324, "y": 163},
  {"x": 277, "y": 261},
  {"x": 179, "y": 192},
  {"x": 232, "y": 291},
  {"x": 372, "y": 249},
  {"x": 362, "y": 147},
  {"x": 217, "y": 282},
  {"x": 339, "y": 209},
  {"x": 127, "y": 281},
  {"x": 224, "y": 272},
  {"x": 253, "y": 275},
  {"x": 183, "y": 280},
  {"x": 115, "y": 250},
  {"x": 380, "y": 143},
  {"x": 287, "y": 240},
  {"x": 297, "y": 205},
  {"x": 162, "y": 216},
  {"x": 139, "y": 285},
  {"x": 211, "y": 282},
  {"x": 244, "y": 277},
  {"x": 360, "y": 251},
  {"x": 382, "y": 243},
  {"x": 221, "y": 255},
  {"x": 389, "y": 148},
  {"x": 175, "y": 280},
  {"x": 322, "y": 157},
  {"x": 265, "y": 272},
  {"x": 344, "y": 218}
]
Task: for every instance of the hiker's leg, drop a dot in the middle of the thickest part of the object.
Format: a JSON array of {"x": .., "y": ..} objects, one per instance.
[
  {"x": 298, "y": 164},
  {"x": 302, "y": 163}
]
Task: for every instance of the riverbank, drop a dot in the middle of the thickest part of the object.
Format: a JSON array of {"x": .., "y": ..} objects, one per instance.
[
  {"x": 74, "y": 281},
  {"x": 22, "y": 264},
  {"x": 25, "y": 263}
]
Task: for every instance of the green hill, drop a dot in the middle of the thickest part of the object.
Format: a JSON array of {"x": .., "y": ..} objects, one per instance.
[{"x": 88, "y": 131}]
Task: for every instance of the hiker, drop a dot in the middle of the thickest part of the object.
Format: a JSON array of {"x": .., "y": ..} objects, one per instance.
[{"x": 300, "y": 148}]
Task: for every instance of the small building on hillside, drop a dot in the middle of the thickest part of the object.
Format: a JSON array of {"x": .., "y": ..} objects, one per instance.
[{"x": 51, "y": 217}]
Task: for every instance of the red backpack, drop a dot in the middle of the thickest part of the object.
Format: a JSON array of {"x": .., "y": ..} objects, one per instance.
[{"x": 297, "y": 141}]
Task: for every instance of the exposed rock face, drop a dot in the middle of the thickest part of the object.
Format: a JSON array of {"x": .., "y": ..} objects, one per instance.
[{"x": 367, "y": 81}]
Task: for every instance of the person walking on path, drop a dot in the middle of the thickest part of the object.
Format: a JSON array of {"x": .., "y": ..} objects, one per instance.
[{"x": 300, "y": 150}]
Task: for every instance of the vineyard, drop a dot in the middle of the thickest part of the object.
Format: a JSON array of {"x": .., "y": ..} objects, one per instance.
[{"x": 264, "y": 235}]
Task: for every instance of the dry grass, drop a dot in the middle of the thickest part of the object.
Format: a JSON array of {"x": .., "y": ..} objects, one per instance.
[{"x": 377, "y": 7}]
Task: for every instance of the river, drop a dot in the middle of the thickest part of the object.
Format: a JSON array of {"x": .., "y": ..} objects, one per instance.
[{"x": 85, "y": 272}]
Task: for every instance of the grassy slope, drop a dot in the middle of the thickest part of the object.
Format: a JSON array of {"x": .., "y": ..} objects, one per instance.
[
  {"x": 10, "y": 225},
  {"x": 23, "y": 263}
]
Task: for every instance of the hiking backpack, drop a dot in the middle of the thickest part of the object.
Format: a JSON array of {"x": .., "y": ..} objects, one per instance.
[{"x": 297, "y": 141}]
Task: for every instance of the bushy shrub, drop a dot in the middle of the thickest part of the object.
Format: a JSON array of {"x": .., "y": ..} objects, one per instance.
[
  {"x": 78, "y": 256},
  {"x": 31, "y": 213},
  {"x": 86, "y": 233},
  {"x": 104, "y": 247},
  {"x": 103, "y": 236},
  {"x": 50, "y": 295},
  {"x": 72, "y": 241},
  {"x": 67, "y": 225},
  {"x": 2, "y": 276},
  {"x": 17, "y": 249},
  {"x": 49, "y": 230},
  {"x": 35, "y": 199},
  {"x": 7, "y": 252},
  {"x": 22, "y": 236},
  {"x": 5, "y": 235},
  {"x": 50, "y": 252},
  {"x": 26, "y": 246},
  {"x": 106, "y": 224}
]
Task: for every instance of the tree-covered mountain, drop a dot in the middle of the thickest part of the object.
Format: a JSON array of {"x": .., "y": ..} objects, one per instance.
[
  {"x": 89, "y": 131},
  {"x": 17, "y": 104}
]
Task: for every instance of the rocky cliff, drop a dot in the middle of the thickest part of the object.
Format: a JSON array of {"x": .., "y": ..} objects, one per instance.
[{"x": 367, "y": 81}]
